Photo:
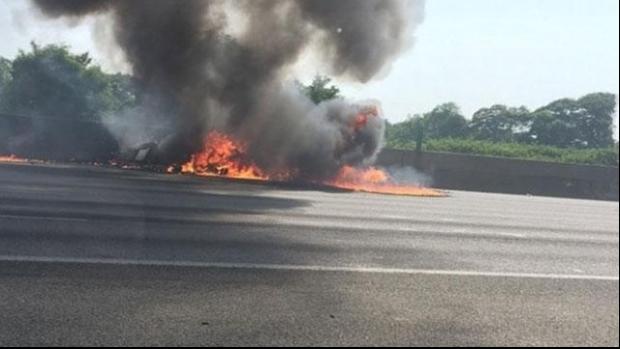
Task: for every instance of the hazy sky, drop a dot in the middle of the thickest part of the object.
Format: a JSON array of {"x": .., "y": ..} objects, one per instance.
[{"x": 474, "y": 53}]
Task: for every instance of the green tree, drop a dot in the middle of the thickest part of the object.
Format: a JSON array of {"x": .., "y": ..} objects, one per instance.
[
  {"x": 63, "y": 96},
  {"x": 5, "y": 71},
  {"x": 500, "y": 123},
  {"x": 319, "y": 91},
  {"x": 53, "y": 82},
  {"x": 6, "y": 127},
  {"x": 410, "y": 130},
  {"x": 6, "y": 76},
  {"x": 445, "y": 121},
  {"x": 596, "y": 125},
  {"x": 584, "y": 123},
  {"x": 553, "y": 128}
]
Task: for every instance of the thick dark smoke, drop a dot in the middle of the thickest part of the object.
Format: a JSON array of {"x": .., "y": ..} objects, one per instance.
[
  {"x": 205, "y": 78},
  {"x": 57, "y": 8},
  {"x": 361, "y": 36}
]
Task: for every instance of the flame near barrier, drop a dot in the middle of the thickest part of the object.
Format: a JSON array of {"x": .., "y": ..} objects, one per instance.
[
  {"x": 223, "y": 156},
  {"x": 374, "y": 180},
  {"x": 11, "y": 158}
]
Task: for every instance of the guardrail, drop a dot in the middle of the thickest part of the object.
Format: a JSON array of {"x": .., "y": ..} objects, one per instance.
[{"x": 505, "y": 175}]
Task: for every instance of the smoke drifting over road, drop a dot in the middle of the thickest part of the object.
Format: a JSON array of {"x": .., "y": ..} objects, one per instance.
[{"x": 221, "y": 65}]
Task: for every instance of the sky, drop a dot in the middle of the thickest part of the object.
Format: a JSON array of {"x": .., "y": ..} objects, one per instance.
[{"x": 475, "y": 53}]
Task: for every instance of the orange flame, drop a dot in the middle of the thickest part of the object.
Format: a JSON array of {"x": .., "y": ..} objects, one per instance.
[
  {"x": 374, "y": 180},
  {"x": 221, "y": 156},
  {"x": 361, "y": 119},
  {"x": 11, "y": 158}
]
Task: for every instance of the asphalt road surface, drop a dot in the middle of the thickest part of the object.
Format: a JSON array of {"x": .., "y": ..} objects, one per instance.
[{"x": 94, "y": 256}]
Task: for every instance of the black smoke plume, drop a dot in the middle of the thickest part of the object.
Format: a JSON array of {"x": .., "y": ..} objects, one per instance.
[{"x": 204, "y": 76}]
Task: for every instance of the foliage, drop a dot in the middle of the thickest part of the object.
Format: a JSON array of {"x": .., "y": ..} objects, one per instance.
[
  {"x": 597, "y": 127},
  {"x": 566, "y": 130},
  {"x": 5, "y": 72},
  {"x": 583, "y": 123},
  {"x": 410, "y": 130},
  {"x": 57, "y": 98},
  {"x": 445, "y": 120},
  {"x": 319, "y": 91},
  {"x": 500, "y": 123},
  {"x": 53, "y": 82},
  {"x": 601, "y": 156}
]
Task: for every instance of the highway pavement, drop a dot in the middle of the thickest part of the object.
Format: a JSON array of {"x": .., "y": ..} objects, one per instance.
[{"x": 100, "y": 256}]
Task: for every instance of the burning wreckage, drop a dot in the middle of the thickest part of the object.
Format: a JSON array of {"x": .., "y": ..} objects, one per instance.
[
  {"x": 217, "y": 85},
  {"x": 223, "y": 156}
]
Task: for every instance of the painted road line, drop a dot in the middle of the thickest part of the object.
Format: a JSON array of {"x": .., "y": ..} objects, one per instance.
[{"x": 311, "y": 268}]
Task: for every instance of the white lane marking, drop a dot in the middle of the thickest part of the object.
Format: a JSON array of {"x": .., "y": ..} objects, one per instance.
[
  {"x": 473, "y": 232},
  {"x": 293, "y": 267}
]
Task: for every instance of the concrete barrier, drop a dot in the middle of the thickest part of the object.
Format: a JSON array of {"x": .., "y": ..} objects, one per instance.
[{"x": 504, "y": 175}]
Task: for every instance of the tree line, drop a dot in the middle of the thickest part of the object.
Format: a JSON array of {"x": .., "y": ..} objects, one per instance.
[
  {"x": 51, "y": 102},
  {"x": 584, "y": 123},
  {"x": 50, "y": 81},
  {"x": 59, "y": 89}
]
